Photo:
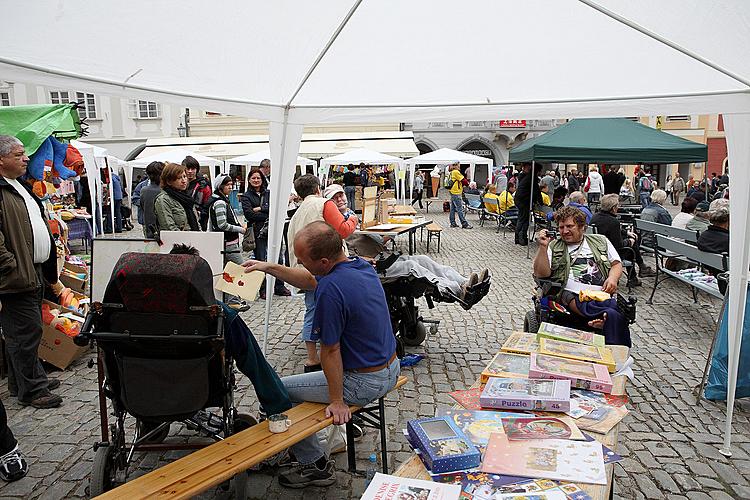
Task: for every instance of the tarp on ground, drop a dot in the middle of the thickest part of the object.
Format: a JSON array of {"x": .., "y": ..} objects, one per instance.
[
  {"x": 614, "y": 141},
  {"x": 34, "y": 123}
]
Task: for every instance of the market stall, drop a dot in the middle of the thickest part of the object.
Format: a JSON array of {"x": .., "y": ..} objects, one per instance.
[
  {"x": 448, "y": 156},
  {"x": 369, "y": 157},
  {"x": 176, "y": 155}
]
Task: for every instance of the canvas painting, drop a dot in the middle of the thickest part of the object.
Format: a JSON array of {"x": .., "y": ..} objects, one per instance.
[
  {"x": 524, "y": 343},
  {"x": 559, "y": 459}
]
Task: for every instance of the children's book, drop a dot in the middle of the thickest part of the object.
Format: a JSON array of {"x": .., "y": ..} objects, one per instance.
[
  {"x": 506, "y": 365},
  {"x": 522, "y": 343},
  {"x": 477, "y": 425},
  {"x": 526, "y": 394},
  {"x": 483, "y": 486},
  {"x": 582, "y": 374},
  {"x": 566, "y": 334},
  {"x": 559, "y": 459},
  {"x": 387, "y": 487},
  {"x": 570, "y": 350}
]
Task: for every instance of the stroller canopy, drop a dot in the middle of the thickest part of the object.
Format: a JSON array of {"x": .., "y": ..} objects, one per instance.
[{"x": 165, "y": 283}]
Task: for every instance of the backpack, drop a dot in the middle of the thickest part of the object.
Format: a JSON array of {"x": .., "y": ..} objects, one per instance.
[
  {"x": 448, "y": 182},
  {"x": 646, "y": 184}
]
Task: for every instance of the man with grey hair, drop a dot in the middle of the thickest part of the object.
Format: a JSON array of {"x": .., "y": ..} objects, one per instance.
[
  {"x": 265, "y": 168},
  {"x": 715, "y": 238},
  {"x": 28, "y": 257},
  {"x": 655, "y": 212},
  {"x": 577, "y": 199}
]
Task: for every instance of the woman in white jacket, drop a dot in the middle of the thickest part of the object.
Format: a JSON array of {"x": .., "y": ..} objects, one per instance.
[{"x": 594, "y": 185}]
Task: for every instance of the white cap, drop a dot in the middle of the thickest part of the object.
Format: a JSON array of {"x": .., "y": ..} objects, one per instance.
[{"x": 331, "y": 190}]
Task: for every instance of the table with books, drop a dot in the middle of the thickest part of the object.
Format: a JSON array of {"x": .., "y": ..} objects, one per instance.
[{"x": 563, "y": 376}]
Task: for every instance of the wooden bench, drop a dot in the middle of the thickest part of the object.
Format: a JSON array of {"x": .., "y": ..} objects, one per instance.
[
  {"x": 690, "y": 253},
  {"x": 219, "y": 462}
]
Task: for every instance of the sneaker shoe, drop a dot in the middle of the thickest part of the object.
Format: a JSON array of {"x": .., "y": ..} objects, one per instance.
[
  {"x": 281, "y": 459},
  {"x": 483, "y": 275},
  {"x": 42, "y": 402},
  {"x": 313, "y": 368},
  {"x": 283, "y": 292},
  {"x": 454, "y": 225},
  {"x": 646, "y": 272},
  {"x": 303, "y": 476},
  {"x": 13, "y": 466},
  {"x": 52, "y": 384},
  {"x": 467, "y": 226}
]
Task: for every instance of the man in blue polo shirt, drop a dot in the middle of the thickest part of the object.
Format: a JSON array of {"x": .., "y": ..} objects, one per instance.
[{"x": 358, "y": 349}]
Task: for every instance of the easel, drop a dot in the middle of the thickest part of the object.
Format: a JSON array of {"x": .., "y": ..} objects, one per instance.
[{"x": 370, "y": 207}]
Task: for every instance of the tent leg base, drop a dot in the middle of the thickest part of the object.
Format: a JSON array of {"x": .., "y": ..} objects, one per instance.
[{"x": 726, "y": 452}]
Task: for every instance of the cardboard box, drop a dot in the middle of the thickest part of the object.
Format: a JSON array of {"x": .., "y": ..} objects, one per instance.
[
  {"x": 75, "y": 284},
  {"x": 77, "y": 269},
  {"x": 56, "y": 348}
]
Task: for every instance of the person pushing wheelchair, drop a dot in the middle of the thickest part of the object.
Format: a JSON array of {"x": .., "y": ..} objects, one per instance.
[{"x": 583, "y": 262}]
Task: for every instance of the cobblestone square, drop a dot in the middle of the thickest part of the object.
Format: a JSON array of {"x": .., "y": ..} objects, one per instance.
[{"x": 669, "y": 443}]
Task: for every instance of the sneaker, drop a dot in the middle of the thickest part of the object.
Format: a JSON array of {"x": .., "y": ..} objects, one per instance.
[
  {"x": 283, "y": 292},
  {"x": 467, "y": 226},
  {"x": 13, "y": 466},
  {"x": 42, "y": 402},
  {"x": 303, "y": 476},
  {"x": 646, "y": 272},
  {"x": 52, "y": 384},
  {"x": 281, "y": 459},
  {"x": 454, "y": 225},
  {"x": 483, "y": 275},
  {"x": 313, "y": 368}
]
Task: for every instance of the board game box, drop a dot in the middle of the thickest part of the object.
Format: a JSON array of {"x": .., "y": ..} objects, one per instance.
[
  {"x": 582, "y": 375},
  {"x": 526, "y": 394},
  {"x": 507, "y": 365},
  {"x": 522, "y": 343},
  {"x": 581, "y": 352},
  {"x": 444, "y": 447},
  {"x": 566, "y": 334}
]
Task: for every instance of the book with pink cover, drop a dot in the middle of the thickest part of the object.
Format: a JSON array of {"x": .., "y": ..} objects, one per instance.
[
  {"x": 526, "y": 394},
  {"x": 582, "y": 374},
  {"x": 560, "y": 459}
]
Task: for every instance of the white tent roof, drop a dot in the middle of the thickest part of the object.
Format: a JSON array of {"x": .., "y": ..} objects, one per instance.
[
  {"x": 357, "y": 156},
  {"x": 254, "y": 159},
  {"x": 174, "y": 155},
  {"x": 445, "y": 155},
  {"x": 610, "y": 58}
]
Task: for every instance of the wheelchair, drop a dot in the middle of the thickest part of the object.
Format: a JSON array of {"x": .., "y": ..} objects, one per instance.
[
  {"x": 546, "y": 310},
  {"x": 160, "y": 359}
]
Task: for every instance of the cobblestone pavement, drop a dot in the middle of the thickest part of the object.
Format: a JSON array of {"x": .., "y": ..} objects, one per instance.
[{"x": 670, "y": 444}]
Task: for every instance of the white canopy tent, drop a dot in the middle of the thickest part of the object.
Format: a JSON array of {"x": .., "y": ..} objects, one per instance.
[
  {"x": 254, "y": 159},
  {"x": 448, "y": 156},
  {"x": 696, "y": 49},
  {"x": 96, "y": 158},
  {"x": 176, "y": 155},
  {"x": 356, "y": 157}
]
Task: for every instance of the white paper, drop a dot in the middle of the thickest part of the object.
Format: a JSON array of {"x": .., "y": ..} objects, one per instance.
[{"x": 387, "y": 487}]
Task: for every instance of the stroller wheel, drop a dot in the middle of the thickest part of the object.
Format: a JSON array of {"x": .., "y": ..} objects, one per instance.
[
  {"x": 416, "y": 336},
  {"x": 103, "y": 472},
  {"x": 243, "y": 421},
  {"x": 530, "y": 322}
]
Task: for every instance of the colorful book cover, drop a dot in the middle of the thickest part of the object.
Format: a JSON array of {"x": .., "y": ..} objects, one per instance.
[
  {"x": 566, "y": 334},
  {"x": 387, "y": 487},
  {"x": 506, "y": 365},
  {"x": 542, "y": 489},
  {"x": 582, "y": 374},
  {"x": 570, "y": 350},
  {"x": 483, "y": 486},
  {"x": 559, "y": 459},
  {"x": 478, "y": 425},
  {"x": 526, "y": 394},
  {"x": 468, "y": 398},
  {"x": 524, "y": 428},
  {"x": 522, "y": 343}
]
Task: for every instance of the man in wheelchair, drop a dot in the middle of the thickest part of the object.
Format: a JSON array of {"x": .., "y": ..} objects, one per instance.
[{"x": 583, "y": 263}]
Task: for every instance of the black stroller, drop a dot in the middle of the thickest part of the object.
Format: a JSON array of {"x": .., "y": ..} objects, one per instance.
[{"x": 161, "y": 359}]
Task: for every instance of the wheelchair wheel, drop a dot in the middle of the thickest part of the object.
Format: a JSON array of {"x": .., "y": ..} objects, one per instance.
[
  {"x": 416, "y": 336},
  {"x": 103, "y": 472},
  {"x": 530, "y": 322}
]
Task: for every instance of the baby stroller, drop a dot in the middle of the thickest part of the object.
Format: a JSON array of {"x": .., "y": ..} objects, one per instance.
[
  {"x": 161, "y": 359},
  {"x": 401, "y": 293},
  {"x": 546, "y": 310}
]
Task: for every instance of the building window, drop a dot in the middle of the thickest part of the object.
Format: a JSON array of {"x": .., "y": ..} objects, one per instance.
[
  {"x": 59, "y": 97},
  {"x": 87, "y": 105},
  {"x": 678, "y": 118},
  {"x": 144, "y": 109},
  {"x": 4, "y": 98}
]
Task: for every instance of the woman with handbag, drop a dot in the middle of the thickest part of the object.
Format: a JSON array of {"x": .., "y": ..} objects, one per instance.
[{"x": 255, "y": 205}]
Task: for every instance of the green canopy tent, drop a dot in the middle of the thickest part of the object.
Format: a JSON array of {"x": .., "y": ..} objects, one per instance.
[
  {"x": 33, "y": 124},
  {"x": 611, "y": 141}
]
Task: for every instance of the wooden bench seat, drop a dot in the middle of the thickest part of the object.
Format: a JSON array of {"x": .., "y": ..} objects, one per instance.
[{"x": 219, "y": 462}]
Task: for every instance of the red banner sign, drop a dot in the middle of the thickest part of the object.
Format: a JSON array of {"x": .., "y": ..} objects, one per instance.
[{"x": 513, "y": 123}]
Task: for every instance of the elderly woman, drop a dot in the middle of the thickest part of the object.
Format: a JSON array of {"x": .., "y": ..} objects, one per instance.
[
  {"x": 655, "y": 212},
  {"x": 174, "y": 207},
  {"x": 716, "y": 237},
  {"x": 686, "y": 214}
]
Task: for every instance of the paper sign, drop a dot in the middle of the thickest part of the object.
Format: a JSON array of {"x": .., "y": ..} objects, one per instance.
[{"x": 235, "y": 281}]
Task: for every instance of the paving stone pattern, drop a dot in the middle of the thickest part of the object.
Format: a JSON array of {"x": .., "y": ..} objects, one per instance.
[{"x": 669, "y": 444}]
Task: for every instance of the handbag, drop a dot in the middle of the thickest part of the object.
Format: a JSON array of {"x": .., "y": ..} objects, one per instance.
[
  {"x": 248, "y": 241},
  {"x": 588, "y": 185}
]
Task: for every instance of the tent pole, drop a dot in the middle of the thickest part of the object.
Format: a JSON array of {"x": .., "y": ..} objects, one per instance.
[{"x": 531, "y": 206}]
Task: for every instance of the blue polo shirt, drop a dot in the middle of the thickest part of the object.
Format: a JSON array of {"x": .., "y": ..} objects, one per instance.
[{"x": 350, "y": 309}]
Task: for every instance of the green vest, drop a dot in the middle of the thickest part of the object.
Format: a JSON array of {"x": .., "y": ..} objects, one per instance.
[{"x": 561, "y": 258}]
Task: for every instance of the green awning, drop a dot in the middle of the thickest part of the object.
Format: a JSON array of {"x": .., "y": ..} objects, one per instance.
[
  {"x": 34, "y": 123},
  {"x": 610, "y": 141}
]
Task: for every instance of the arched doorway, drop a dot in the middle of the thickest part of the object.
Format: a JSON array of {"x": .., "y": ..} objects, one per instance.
[{"x": 478, "y": 147}]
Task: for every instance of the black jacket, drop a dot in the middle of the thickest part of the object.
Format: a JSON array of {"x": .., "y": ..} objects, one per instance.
[
  {"x": 613, "y": 182},
  {"x": 715, "y": 239},
  {"x": 252, "y": 199},
  {"x": 608, "y": 225},
  {"x": 523, "y": 191}
]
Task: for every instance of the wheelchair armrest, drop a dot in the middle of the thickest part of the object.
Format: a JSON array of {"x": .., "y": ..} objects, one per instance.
[{"x": 547, "y": 286}]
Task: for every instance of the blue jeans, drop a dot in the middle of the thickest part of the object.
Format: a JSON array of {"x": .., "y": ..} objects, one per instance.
[
  {"x": 645, "y": 197},
  {"x": 349, "y": 192},
  {"x": 359, "y": 389},
  {"x": 457, "y": 207},
  {"x": 307, "y": 322}
]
